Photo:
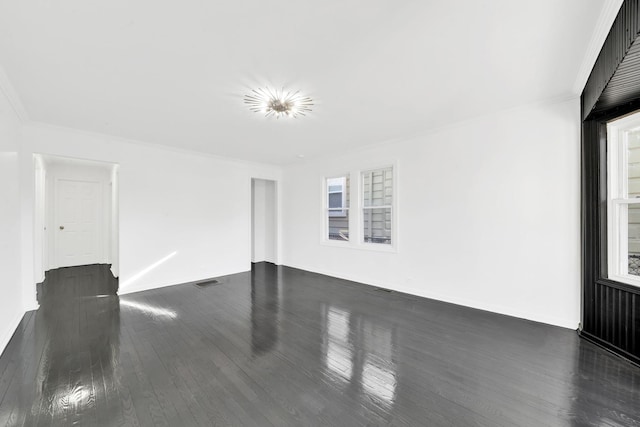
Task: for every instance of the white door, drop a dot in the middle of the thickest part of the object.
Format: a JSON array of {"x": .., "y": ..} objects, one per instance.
[{"x": 77, "y": 227}]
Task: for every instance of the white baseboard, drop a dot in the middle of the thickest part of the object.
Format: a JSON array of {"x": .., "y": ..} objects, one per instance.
[
  {"x": 186, "y": 280},
  {"x": 508, "y": 311},
  {"x": 31, "y": 307},
  {"x": 11, "y": 329}
]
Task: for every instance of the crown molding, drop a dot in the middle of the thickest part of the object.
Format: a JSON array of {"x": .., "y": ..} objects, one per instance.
[
  {"x": 468, "y": 121},
  {"x": 33, "y": 124},
  {"x": 608, "y": 14},
  {"x": 12, "y": 96}
]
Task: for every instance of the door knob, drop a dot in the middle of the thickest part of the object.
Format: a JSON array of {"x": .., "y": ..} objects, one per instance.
[{"x": 62, "y": 227}]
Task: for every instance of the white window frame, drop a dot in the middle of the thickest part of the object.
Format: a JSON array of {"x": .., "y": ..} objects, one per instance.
[
  {"x": 617, "y": 189},
  {"x": 356, "y": 220}
]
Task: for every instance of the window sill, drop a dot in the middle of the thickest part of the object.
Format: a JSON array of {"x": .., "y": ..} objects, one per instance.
[
  {"x": 626, "y": 279},
  {"x": 373, "y": 247}
]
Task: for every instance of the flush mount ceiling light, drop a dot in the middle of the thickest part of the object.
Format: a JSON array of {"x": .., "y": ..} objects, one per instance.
[{"x": 278, "y": 103}]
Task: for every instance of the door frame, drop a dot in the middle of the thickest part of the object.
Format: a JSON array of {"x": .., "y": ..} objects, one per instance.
[{"x": 277, "y": 222}]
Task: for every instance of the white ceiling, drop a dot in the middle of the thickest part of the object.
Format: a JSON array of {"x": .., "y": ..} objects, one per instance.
[{"x": 175, "y": 72}]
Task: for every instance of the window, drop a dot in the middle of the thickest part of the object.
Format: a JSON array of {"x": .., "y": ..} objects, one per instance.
[
  {"x": 623, "y": 198},
  {"x": 377, "y": 200},
  {"x": 337, "y": 196},
  {"x": 337, "y": 208},
  {"x": 371, "y": 224}
]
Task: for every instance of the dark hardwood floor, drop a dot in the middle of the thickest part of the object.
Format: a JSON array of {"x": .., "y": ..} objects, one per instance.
[{"x": 283, "y": 347}]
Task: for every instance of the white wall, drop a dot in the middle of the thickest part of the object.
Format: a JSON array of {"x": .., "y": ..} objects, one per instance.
[
  {"x": 11, "y": 307},
  {"x": 182, "y": 216},
  {"x": 264, "y": 218},
  {"x": 57, "y": 169},
  {"x": 488, "y": 215}
]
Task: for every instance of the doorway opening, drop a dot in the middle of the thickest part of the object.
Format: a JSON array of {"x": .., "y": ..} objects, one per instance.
[
  {"x": 264, "y": 221},
  {"x": 76, "y": 214}
]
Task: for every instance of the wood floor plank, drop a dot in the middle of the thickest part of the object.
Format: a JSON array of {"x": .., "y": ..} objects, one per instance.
[{"x": 283, "y": 347}]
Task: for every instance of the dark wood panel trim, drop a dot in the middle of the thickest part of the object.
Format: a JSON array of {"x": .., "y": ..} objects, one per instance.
[
  {"x": 588, "y": 222},
  {"x": 619, "y": 285},
  {"x": 609, "y": 309},
  {"x": 623, "y": 33},
  {"x": 614, "y": 112},
  {"x": 610, "y": 347}
]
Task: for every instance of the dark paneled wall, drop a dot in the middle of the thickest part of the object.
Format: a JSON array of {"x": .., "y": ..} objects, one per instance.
[
  {"x": 617, "y": 320},
  {"x": 611, "y": 310},
  {"x": 625, "y": 83}
]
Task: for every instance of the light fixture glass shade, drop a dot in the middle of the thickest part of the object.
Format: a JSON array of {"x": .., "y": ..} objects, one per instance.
[{"x": 278, "y": 103}]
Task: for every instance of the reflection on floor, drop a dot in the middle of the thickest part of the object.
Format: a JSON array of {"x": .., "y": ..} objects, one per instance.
[
  {"x": 278, "y": 346},
  {"x": 66, "y": 285}
]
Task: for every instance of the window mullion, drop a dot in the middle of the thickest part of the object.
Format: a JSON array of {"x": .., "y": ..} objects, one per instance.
[
  {"x": 634, "y": 201},
  {"x": 623, "y": 190}
]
